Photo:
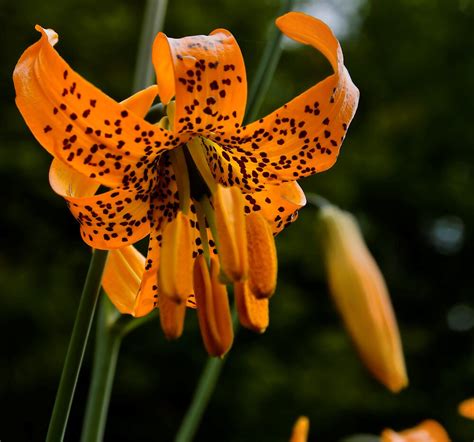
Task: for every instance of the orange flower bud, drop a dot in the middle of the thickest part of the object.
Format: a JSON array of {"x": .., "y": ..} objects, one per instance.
[
  {"x": 176, "y": 261},
  {"x": 300, "y": 430},
  {"x": 360, "y": 293},
  {"x": 427, "y": 431},
  {"x": 253, "y": 312},
  {"x": 263, "y": 265},
  {"x": 213, "y": 309},
  {"x": 466, "y": 408},
  {"x": 230, "y": 224}
]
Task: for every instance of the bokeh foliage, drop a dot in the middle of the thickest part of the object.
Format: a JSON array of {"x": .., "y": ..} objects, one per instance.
[{"x": 406, "y": 171}]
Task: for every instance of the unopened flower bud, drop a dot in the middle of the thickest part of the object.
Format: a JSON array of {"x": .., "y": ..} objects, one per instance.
[{"x": 362, "y": 298}]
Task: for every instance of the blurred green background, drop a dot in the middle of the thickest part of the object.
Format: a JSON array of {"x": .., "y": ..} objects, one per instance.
[{"x": 406, "y": 171}]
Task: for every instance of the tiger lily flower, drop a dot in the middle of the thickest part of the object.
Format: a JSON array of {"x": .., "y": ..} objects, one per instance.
[
  {"x": 197, "y": 182},
  {"x": 427, "y": 431}
]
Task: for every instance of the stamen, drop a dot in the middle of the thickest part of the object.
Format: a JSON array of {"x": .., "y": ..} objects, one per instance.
[
  {"x": 201, "y": 219},
  {"x": 213, "y": 309},
  {"x": 178, "y": 162},
  {"x": 171, "y": 317},
  {"x": 196, "y": 150},
  {"x": 262, "y": 256},
  {"x": 176, "y": 261},
  {"x": 253, "y": 312},
  {"x": 229, "y": 211}
]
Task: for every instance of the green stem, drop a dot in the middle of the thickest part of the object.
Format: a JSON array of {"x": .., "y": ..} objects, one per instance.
[
  {"x": 266, "y": 68},
  {"x": 153, "y": 21},
  {"x": 210, "y": 374},
  {"x": 77, "y": 347},
  {"x": 127, "y": 324},
  {"x": 107, "y": 346},
  {"x": 204, "y": 389}
]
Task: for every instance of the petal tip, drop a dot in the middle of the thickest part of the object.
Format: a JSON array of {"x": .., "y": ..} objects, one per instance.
[{"x": 50, "y": 34}]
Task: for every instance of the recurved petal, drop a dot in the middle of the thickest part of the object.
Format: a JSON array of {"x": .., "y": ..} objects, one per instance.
[
  {"x": 304, "y": 136},
  {"x": 206, "y": 74},
  {"x": 78, "y": 123},
  {"x": 109, "y": 220},
  {"x": 279, "y": 204},
  {"x": 427, "y": 431},
  {"x": 122, "y": 277}
]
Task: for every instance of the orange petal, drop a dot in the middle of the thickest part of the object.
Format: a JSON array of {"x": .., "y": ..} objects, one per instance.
[
  {"x": 206, "y": 74},
  {"x": 360, "y": 293},
  {"x": 466, "y": 408},
  {"x": 78, "y": 123},
  {"x": 171, "y": 317},
  {"x": 253, "y": 312},
  {"x": 300, "y": 430},
  {"x": 279, "y": 204},
  {"x": 110, "y": 220},
  {"x": 263, "y": 266},
  {"x": 140, "y": 102},
  {"x": 230, "y": 220},
  {"x": 79, "y": 185},
  {"x": 213, "y": 309},
  {"x": 427, "y": 431},
  {"x": 176, "y": 260},
  {"x": 303, "y": 136},
  {"x": 122, "y": 277},
  {"x": 69, "y": 182}
]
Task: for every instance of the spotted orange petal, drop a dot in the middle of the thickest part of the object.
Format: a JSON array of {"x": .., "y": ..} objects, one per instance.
[
  {"x": 303, "y": 136},
  {"x": 78, "y": 123},
  {"x": 109, "y": 220},
  {"x": 207, "y": 76},
  {"x": 279, "y": 204}
]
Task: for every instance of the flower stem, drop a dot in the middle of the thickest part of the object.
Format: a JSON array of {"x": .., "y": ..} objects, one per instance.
[
  {"x": 266, "y": 68},
  {"x": 107, "y": 345},
  {"x": 77, "y": 347},
  {"x": 204, "y": 389},
  {"x": 153, "y": 21}
]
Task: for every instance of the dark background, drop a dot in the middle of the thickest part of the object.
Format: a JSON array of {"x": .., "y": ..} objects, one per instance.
[{"x": 406, "y": 171}]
